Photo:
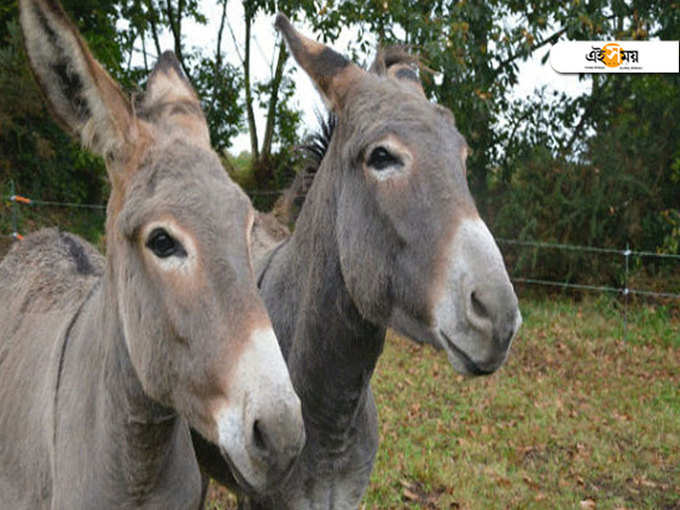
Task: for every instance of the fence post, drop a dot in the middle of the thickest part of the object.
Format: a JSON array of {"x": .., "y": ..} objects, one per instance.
[
  {"x": 12, "y": 199},
  {"x": 626, "y": 294}
]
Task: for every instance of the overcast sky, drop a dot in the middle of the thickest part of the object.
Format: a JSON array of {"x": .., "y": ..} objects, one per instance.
[{"x": 532, "y": 74}]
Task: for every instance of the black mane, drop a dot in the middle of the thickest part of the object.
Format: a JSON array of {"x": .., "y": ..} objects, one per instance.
[{"x": 316, "y": 145}]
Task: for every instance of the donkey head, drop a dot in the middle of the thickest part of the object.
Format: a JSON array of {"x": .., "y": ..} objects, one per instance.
[
  {"x": 184, "y": 300},
  {"x": 414, "y": 253}
]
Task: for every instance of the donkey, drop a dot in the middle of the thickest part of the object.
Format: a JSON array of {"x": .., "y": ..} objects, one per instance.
[
  {"x": 104, "y": 363},
  {"x": 388, "y": 236}
]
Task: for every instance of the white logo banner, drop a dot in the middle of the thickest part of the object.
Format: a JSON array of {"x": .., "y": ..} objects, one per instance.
[{"x": 615, "y": 57}]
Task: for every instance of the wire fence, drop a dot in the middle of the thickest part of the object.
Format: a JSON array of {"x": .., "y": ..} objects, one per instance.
[
  {"x": 15, "y": 200},
  {"x": 625, "y": 291},
  {"x": 626, "y": 253}
]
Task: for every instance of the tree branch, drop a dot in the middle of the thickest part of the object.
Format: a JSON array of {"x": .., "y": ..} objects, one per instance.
[
  {"x": 536, "y": 46},
  {"x": 252, "y": 126},
  {"x": 233, "y": 38},
  {"x": 154, "y": 29},
  {"x": 594, "y": 97},
  {"x": 217, "y": 76},
  {"x": 175, "y": 23},
  {"x": 218, "y": 49}
]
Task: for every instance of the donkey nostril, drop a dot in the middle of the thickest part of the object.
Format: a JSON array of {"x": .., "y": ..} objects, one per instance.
[
  {"x": 259, "y": 437},
  {"x": 478, "y": 307}
]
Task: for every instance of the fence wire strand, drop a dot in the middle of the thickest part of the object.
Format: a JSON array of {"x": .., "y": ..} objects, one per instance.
[
  {"x": 17, "y": 199},
  {"x": 597, "y": 288},
  {"x": 592, "y": 249}
]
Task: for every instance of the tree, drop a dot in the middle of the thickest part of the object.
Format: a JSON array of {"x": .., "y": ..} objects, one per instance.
[
  {"x": 34, "y": 151},
  {"x": 475, "y": 46}
]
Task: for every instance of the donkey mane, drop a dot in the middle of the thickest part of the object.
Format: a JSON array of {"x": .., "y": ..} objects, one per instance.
[
  {"x": 62, "y": 283},
  {"x": 316, "y": 145}
]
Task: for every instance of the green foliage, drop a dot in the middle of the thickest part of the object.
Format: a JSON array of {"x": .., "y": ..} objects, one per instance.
[
  {"x": 476, "y": 46},
  {"x": 602, "y": 168},
  {"x": 43, "y": 161},
  {"x": 621, "y": 189},
  {"x": 219, "y": 89}
]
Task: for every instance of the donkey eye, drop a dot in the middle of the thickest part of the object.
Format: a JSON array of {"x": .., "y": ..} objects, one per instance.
[
  {"x": 381, "y": 158},
  {"x": 163, "y": 245}
]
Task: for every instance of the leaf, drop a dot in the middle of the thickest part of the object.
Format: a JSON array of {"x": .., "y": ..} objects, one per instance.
[
  {"x": 545, "y": 57},
  {"x": 410, "y": 495}
]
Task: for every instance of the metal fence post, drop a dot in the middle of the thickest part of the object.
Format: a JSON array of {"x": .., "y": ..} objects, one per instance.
[
  {"x": 12, "y": 199},
  {"x": 626, "y": 294}
]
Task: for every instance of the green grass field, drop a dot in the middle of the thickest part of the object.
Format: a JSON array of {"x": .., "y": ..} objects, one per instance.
[{"x": 577, "y": 418}]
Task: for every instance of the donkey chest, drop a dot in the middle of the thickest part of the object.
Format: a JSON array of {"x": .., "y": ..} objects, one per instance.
[
  {"x": 335, "y": 467},
  {"x": 325, "y": 490}
]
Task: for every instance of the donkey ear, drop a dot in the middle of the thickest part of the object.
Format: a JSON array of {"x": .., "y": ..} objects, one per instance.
[
  {"x": 82, "y": 96},
  {"x": 407, "y": 76},
  {"x": 170, "y": 98},
  {"x": 397, "y": 63},
  {"x": 332, "y": 73}
]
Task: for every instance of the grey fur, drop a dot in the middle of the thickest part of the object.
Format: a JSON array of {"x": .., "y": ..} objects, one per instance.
[
  {"x": 365, "y": 256},
  {"x": 104, "y": 362}
]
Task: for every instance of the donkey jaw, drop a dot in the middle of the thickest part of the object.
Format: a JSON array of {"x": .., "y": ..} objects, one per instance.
[
  {"x": 260, "y": 429},
  {"x": 461, "y": 361}
]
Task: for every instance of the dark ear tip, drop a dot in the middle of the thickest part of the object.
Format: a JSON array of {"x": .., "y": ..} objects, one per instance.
[
  {"x": 167, "y": 61},
  {"x": 282, "y": 23},
  {"x": 167, "y": 58}
]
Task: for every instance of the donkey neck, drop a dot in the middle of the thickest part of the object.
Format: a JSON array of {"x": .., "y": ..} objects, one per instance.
[
  {"x": 133, "y": 437},
  {"x": 330, "y": 348}
]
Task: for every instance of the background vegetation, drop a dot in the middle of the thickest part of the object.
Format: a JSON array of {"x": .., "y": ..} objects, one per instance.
[{"x": 599, "y": 169}]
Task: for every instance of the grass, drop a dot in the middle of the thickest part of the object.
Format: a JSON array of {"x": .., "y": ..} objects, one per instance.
[{"x": 577, "y": 418}]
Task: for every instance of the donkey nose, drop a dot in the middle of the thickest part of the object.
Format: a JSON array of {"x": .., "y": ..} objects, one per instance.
[
  {"x": 260, "y": 429},
  {"x": 492, "y": 309},
  {"x": 479, "y": 311},
  {"x": 277, "y": 436}
]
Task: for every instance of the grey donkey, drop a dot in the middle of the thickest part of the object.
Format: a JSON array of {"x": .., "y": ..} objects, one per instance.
[
  {"x": 388, "y": 236},
  {"x": 105, "y": 362}
]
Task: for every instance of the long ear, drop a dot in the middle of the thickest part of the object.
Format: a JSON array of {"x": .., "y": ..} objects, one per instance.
[
  {"x": 170, "y": 98},
  {"x": 82, "y": 96},
  {"x": 397, "y": 63},
  {"x": 332, "y": 73}
]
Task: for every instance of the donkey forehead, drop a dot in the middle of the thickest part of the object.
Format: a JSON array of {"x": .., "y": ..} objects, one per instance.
[
  {"x": 185, "y": 182},
  {"x": 381, "y": 107}
]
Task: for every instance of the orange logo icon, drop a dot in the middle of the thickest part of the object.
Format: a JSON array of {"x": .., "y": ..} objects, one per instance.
[{"x": 611, "y": 55}]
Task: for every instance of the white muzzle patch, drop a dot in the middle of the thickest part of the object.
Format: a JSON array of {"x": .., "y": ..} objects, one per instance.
[{"x": 261, "y": 391}]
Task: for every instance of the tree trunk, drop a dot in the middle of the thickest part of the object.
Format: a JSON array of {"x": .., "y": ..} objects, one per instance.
[
  {"x": 217, "y": 83},
  {"x": 154, "y": 29},
  {"x": 273, "y": 100},
  {"x": 175, "y": 23},
  {"x": 252, "y": 126}
]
